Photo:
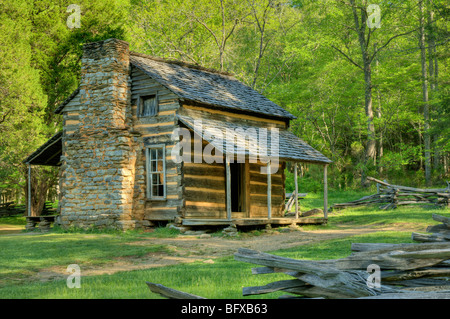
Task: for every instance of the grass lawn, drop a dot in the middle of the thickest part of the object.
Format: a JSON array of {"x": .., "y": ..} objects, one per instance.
[
  {"x": 222, "y": 280},
  {"x": 23, "y": 255}
]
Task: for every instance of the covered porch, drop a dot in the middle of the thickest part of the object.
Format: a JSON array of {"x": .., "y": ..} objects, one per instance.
[
  {"x": 267, "y": 206},
  {"x": 48, "y": 154}
]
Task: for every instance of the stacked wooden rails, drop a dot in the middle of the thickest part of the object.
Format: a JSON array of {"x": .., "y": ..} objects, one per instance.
[
  {"x": 406, "y": 271},
  {"x": 9, "y": 209},
  {"x": 392, "y": 196},
  {"x": 438, "y": 233}
]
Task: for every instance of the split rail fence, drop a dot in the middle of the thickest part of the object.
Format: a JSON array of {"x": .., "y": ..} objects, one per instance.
[{"x": 392, "y": 196}]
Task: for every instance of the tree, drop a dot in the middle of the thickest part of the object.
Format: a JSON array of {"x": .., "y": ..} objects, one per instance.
[
  {"x": 365, "y": 34},
  {"x": 40, "y": 68}
]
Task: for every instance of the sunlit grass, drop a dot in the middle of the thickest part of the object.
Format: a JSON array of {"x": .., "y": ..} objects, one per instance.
[
  {"x": 26, "y": 254},
  {"x": 222, "y": 280},
  {"x": 22, "y": 256}
]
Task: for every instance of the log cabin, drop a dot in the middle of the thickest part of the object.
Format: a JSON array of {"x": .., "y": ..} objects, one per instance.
[{"x": 146, "y": 139}]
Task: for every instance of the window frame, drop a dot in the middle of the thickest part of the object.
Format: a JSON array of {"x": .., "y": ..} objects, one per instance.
[
  {"x": 140, "y": 104},
  {"x": 149, "y": 172}
]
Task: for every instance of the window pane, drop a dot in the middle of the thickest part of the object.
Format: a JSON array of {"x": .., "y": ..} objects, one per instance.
[
  {"x": 153, "y": 166},
  {"x": 160, "y": 153},
  {"x": 155, "y": 172},
  {"x": 149, "y": 106},
  {"x": 160, "y": 166}
]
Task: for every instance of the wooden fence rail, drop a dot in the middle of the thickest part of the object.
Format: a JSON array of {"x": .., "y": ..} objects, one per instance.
[{"x": 392, "y": 196}]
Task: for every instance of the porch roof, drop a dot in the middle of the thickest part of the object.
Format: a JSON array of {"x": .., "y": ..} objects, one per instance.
[
  {"x": 48, "y": 153},
  {"x": 277, "y": 142}
]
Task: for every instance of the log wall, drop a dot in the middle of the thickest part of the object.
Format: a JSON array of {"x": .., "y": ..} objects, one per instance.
[
  {"x": 205, "y": 184},
  {"x": 155, "y": 130}
]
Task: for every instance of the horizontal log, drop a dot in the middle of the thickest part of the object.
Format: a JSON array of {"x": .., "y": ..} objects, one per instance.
[
  {"x": 441, "y": 228},
  {"x": 442, "y": 219},
  {"x": 376, "y": 248},
  {"x": 316, "y": 292},
  {"x": 170, "y": 293},
  {"x": 161, "y": 214},
  {"x": 437, "y": 237},
  {"x": 271, "y": 270},
  {"x": 411, "y": 295},
  {"x": 272, "y": 287},
  {"x": 419, "y": 273},
  {"x": 391, "y": 259},
  {"x": 430, "y": 283},
  {"x": 204, "y": 170},
  {"x": 421, "y": 190},
  {"x": 214, "y": 184},
  {"x": 202, "y": 196},
  {"x": 410, "y": 202},
  {"x": 339, "y": 284}
]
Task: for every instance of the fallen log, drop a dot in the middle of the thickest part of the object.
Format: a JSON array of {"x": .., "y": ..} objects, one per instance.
[
  {"x": 383, "y": 247},
  {"x": 435, "y": 237},
  {"x": 273, "y": 286},
  {"x": 411, "y": 295},
  {"x": 415, "y": 274},
  {"x": 413, "y": 189},
  {"x": 444, "y": 220},
  {"x": 324, "y": 280},
  {"x": 440, "y": 228},
  {"x": 396, "y": 260},
  {"x": 170, "y": 293}
]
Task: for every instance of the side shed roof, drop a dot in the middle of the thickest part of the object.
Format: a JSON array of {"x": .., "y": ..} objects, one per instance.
[
  {"x": 283, "y": 143},
  {"x": 49, "y": 153}
]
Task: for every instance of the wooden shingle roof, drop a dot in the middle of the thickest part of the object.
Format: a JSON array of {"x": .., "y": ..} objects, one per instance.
[
  {"x": 277, "y": 142},
  {"x": 201, "y": 85},
  {"x": 49, "y": 153}
]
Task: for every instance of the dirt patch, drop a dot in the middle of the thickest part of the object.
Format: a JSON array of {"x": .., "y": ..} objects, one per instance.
[
  {"x": 191, "y": 248},
  {"x": 10, "y": 229}
]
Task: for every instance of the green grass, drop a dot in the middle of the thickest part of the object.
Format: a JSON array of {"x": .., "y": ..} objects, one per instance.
[
  {"x": 13, "y": 220},
  {"x": 22, "y": 256},
  {"x": 222, "y": 280},
  {"x": 414, "y": 216}
]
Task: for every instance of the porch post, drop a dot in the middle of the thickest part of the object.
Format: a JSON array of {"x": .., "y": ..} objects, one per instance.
[
  {"x": 29, "y": 189},
  {"x": 296, "y": 189},
  {"x": 269, "y": 191},
  {"x": 228, "y": 176},
  {"x": 325, "y": 192}
]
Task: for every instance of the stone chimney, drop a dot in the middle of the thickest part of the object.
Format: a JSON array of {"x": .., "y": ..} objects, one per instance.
[
  {"x": 105, "y": 83},
  {"x": 97, "y": 176}
]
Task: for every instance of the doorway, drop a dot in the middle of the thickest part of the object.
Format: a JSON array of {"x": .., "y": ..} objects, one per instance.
[{"x": 238, "y": 188}]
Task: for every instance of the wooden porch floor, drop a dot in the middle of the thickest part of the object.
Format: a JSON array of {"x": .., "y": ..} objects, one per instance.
[{"x": 254, "y": 221}]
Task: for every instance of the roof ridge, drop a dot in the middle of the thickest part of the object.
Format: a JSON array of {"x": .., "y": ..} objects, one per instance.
[{"x": 181, "y": 63}]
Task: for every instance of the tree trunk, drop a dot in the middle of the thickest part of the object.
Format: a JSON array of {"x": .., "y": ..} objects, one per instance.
[
  {"x": 426, "y": 106},
  {"x": 378, "y": 114},
  {"x": 370, "y": 153},
  {"x": 433, "y": 69}
]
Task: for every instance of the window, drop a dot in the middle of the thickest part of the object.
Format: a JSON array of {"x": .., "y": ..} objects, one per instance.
[
  {"x": 148, "y": 105},
  {"x": 156, "y": 171}
]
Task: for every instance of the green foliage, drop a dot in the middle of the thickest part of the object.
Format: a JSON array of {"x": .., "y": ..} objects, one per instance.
[
  {"x": 40, "y": 67},
  {"x": 284, "y": 49}
]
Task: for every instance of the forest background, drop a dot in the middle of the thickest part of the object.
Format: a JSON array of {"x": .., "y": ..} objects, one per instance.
[{"x": 368, "y": 82}]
